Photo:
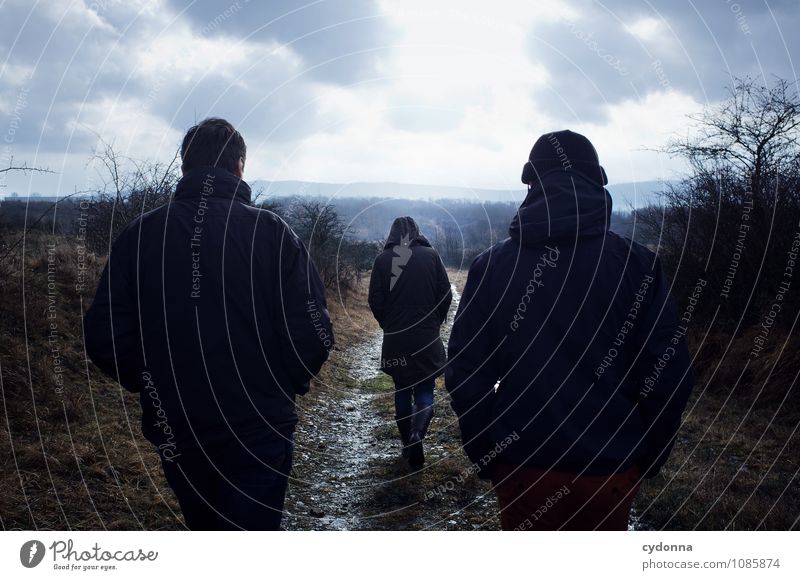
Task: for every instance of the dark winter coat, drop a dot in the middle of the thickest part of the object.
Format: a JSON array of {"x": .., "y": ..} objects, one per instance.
[
  {"x": 576, "y": 324},
  {"x": 212, "y": 310},
  {"x": 409, "y": 295}
]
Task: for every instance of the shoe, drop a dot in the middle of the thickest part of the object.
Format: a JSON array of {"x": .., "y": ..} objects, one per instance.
[
  {"x": 420, "y": 421},
  {"x": 404, "y": 426},
  {"x": 416, "y": 454}
]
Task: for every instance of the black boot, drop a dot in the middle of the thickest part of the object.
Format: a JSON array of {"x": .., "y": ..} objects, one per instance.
[
  {"x": 404, "y": 426},
  {"x": 420, "y": 421}
]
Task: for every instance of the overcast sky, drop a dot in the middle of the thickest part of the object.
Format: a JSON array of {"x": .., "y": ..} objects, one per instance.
[{"x": 416, "y": 91}]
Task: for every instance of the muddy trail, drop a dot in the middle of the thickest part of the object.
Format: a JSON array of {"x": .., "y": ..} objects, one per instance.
[{"x": 348, "y": 473}]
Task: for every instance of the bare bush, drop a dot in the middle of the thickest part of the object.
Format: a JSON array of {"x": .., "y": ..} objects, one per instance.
[
  {"x": 733, "y": 220},
  {"x": 339, "y": 258},
  {"x": 129, "y": 189},
  {"x": 450, "y": 243}
]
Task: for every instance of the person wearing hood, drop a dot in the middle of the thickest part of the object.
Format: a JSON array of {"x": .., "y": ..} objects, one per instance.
[
  {"x": 567, "y": 367},
  {"x": 212, "y": 311},
  {"x": 409, "y": 295}
]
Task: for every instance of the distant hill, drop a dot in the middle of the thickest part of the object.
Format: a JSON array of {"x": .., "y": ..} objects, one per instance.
[
  {"x": 30, "y": 198},
  {"x": 384, "y": 190},
  {"x": 637, "y": 193},
  {"x": 624, "y": 194}
]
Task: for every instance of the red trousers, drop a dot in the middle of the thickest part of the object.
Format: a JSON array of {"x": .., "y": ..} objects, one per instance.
[{"x": 537, "y": 499}]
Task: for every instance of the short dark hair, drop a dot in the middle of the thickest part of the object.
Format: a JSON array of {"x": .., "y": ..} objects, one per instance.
[{"x": 212, "y": 141}]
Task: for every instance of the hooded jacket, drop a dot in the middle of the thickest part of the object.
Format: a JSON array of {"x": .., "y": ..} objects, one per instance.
[
  {"x": 212, "y": 310},
  {"x": 409, "y": 295},
  {"x": 566, "y": 351}
]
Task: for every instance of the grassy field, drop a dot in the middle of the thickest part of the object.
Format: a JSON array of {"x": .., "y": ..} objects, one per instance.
[
  {"x": 73, "y": 457},
  {"x": 71, "y": 448}
]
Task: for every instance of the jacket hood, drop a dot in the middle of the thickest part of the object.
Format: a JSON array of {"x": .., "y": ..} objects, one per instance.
[
  {"x": 562, "y": 206},
  {"x": 212, "y": 182},
  {"x": 564, "y": 150},
  {"x": 405, "y": 232}
]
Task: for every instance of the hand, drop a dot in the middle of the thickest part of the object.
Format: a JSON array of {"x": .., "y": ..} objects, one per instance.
[
  {"x": 485, "y": 472},
  {"x": 303, "y": 388}
]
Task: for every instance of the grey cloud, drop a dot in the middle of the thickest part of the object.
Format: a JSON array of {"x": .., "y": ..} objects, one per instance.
[
  {"x": 341, "y": 38},
  {"x": 99, "y": 61},
  {"x": 281, "y": 116},
  {"x": 70, "y": 61},
  {"x": 593, "y": 60}
]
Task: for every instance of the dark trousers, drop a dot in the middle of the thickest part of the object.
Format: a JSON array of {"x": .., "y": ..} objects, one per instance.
[
  {"x": 419, "y": 395},
  {"x": 535, "y": 499},
  {"x": 231, "y": 487}
]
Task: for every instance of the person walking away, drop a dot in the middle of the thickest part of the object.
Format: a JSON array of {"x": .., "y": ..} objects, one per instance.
[
  {"x": 567, "y": 367},
  {"x": 212, "y": 311},
  {"x": 409, "y": 295}
]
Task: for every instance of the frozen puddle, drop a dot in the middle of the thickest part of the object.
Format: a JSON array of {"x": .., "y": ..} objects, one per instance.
[
  {"x": 448, "y": 326},
  {"x": 364, "y": 359}
]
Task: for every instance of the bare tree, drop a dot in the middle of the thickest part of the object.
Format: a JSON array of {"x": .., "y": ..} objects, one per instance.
[
  {"x": 129, "y": 188},
  {"x": 24, "y": 168},
  {"x": 730, "y": 220},
  {"x": 338, "y": 256},
  {"x": 320, "y": 228},
  {"x": 753, "y": 133},
  {"x": 449, "y": 243}
]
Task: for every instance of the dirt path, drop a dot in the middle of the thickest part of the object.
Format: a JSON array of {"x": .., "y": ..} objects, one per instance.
[
  {"x": 330, "y": 498},
  {"x": 348, "y": 472},
  {"x": 337, "y": 442},
  {"x": 335, "y": 445}
]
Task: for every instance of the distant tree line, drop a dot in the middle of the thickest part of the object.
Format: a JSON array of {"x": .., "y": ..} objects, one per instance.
[{"x": 343, "y": 235}]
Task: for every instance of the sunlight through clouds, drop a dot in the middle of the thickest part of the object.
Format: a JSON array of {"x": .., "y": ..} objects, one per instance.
[{"x": 388, "y": 90}]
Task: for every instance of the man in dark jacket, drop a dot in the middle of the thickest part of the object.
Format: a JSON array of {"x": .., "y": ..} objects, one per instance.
[
  {"x": 212, "y": 311},
  {"x": 567, "y": 367},
  {"x": 409, "y": 295}
]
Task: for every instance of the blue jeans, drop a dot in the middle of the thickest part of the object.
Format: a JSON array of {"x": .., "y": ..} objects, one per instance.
[
  {"x": 420, "y": 394},
  {"x": 231, "y": 488}
]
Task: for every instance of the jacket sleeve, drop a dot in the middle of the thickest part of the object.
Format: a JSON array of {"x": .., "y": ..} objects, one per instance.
[
  {"x": 377, "y": 293},
  {"x": 111, "y": 326},
  {"x": 471, "y": 371},
  {"x": 305, "y": 330},
  {"x": 444, "y": 295},
  {"x": 664, "y": 375}
]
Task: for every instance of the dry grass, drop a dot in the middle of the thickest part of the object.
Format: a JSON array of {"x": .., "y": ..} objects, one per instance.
[
  {"x": 735, "y": 465},
  {"x": 71, "y": 449}
]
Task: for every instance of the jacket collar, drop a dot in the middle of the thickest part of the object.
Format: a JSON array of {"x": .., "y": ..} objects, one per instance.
[
  {"x": 562, "y": 206},
  {"x": 212, "y": 181}
]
